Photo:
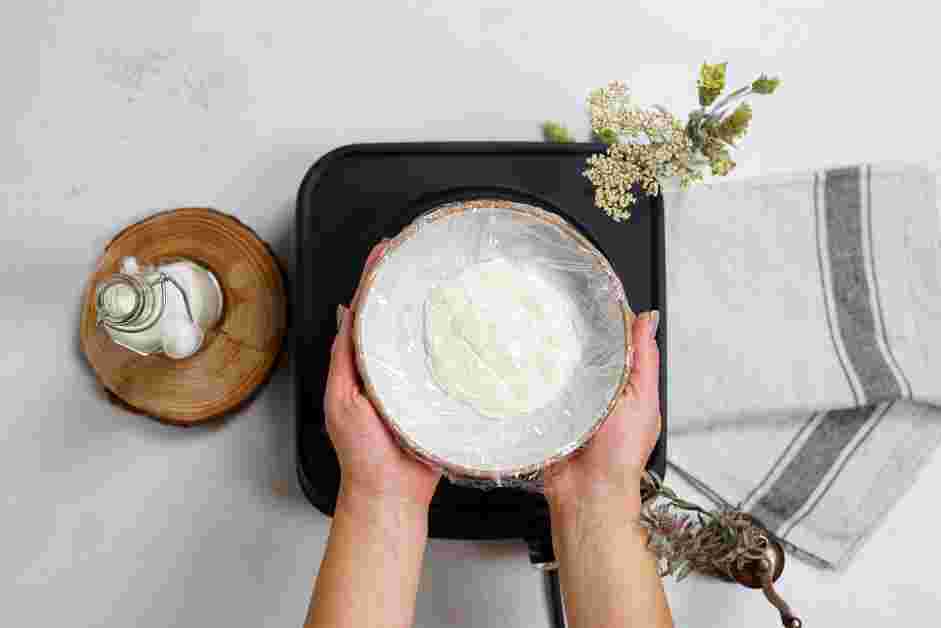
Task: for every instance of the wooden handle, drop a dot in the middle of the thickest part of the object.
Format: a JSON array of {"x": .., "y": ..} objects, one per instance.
[{"x": 788, "y": 619}]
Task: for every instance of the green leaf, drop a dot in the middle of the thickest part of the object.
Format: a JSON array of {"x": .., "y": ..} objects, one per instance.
[
  {"x": 735, "y": 125},
  {"x": 556, "y": 133},
  {"x": 668, "y": 492},
  {"x": 685, "y": 505},
  {"x": 608, "y": 136},
  {"x": 682, "y": 570},
  {"x": 765, "y": 84},
  {"x": 728, "y": 535},
  {"x": 711, "y": 82}
]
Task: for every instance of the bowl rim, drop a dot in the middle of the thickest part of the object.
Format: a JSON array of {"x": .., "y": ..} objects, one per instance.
[{"x": 447, "y": 209}]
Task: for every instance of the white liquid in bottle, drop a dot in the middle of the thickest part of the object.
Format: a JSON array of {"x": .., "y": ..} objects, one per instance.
[{"x": 166, "y": 309}]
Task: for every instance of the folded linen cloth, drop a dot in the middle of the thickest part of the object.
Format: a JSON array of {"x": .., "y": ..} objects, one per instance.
[{"x": 805, "y": 347}]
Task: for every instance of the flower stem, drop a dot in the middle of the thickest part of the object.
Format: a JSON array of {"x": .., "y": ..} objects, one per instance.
[{"x": 728, "y": 100}]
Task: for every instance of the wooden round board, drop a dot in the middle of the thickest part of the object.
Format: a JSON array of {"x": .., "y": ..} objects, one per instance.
[{"x": 238, "y": 355}]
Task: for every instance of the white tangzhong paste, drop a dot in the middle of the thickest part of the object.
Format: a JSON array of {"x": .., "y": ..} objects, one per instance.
[{"x": 500, "y": 339}]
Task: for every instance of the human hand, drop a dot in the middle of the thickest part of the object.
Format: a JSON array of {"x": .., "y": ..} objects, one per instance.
[
  {"x": 610, "y": 467},
  {"x": 372, "y": 464}
]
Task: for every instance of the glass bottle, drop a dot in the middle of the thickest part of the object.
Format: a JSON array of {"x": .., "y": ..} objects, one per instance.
[{"x": 164, "y": 309}]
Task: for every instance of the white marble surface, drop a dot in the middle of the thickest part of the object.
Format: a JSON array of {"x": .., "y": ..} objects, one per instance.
[{"x": 113, "y": 109}]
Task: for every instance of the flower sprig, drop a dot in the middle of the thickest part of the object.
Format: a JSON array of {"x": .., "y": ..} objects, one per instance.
[
  {"x": 647, "y": 145},
  {"x": 728, "y": 544},
  {"x": 685, "y": 537}
]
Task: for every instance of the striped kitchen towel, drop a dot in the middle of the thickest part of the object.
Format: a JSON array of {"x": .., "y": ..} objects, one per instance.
[{"x": 805, "y": 347}]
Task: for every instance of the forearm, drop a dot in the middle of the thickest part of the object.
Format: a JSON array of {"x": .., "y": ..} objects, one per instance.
[
  {"x": 608, "y": 576},
  {"x": 370, "y": 572}
]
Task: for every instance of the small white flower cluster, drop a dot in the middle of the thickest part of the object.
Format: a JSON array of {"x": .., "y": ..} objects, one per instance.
[
  {"x": 614, "y": 115},
  {"x": 613, "y": 177},
  {"x": 645, "y": 145}
]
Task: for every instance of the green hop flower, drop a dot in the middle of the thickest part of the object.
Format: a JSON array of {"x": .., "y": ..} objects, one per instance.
[
  {"x": 765, "y": 84},
  {"x": 556, "y": 133},
  {"x": 711, "y": 82},
  {"x": 734, "y": 126}
]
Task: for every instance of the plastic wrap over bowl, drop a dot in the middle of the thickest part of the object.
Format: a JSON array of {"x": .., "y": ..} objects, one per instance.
[{"x": 392, "y": 358}]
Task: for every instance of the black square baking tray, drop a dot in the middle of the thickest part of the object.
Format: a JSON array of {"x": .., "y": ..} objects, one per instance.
[{"x": 356, "y": 195}]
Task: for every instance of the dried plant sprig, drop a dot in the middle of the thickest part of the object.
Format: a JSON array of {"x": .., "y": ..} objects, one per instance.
[
  {"x": 616, "y": 173},
  {"x": 647, "y": 145},
  {"x": 686, "y": 537}
]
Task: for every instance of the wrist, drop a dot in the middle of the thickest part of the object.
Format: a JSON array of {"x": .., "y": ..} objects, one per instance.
[
  {"x": 381, "y": 509},
  {"x": 589, "y": 533},
  {"x": 619, "y": 494},
  {"x": 595, "y": 514}
]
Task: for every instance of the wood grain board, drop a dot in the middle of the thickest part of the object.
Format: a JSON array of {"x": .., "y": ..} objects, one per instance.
[{"x": 238, "y": 355}]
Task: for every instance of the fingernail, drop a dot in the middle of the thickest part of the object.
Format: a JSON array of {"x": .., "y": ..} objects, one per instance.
[
  {"x": 341, "y": 313},
  {"x": 653, "y": 323}
]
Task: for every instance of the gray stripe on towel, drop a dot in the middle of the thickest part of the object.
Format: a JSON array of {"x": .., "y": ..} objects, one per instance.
[
  {"x": 781, "y": 457},
  {"x": 825, "y": 290},
  {"x": 857, "y": 328},
  {"x": 851, "y": 290},
  {"x": 809, "y": 466},
  {"x": 881, "y": 411}
]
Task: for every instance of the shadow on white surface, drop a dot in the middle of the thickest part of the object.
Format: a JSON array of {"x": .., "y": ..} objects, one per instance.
[{"x": 468, "y": 584}]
